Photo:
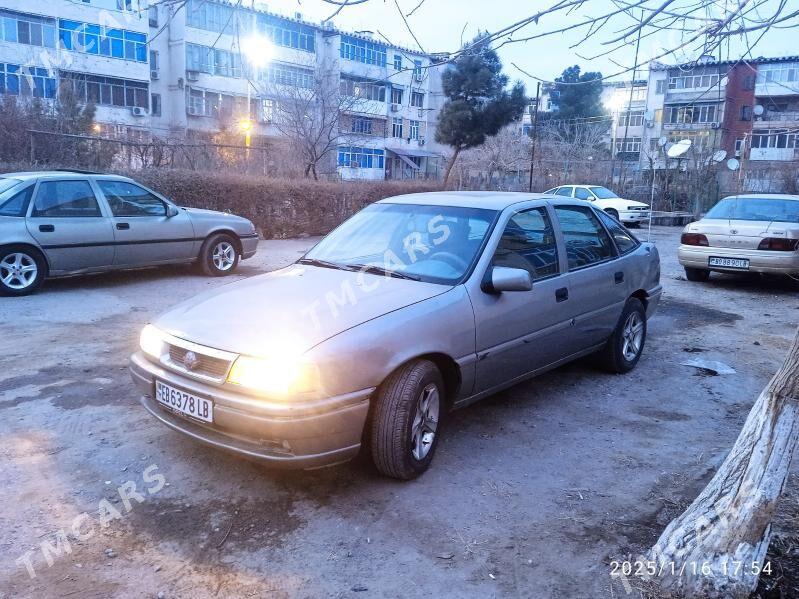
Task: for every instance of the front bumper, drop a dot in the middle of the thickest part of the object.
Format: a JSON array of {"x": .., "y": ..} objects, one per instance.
[
  {"x": 286, "y": 434},
  {"x": 760, "y": 261},
  {"x": 633, "y": 216},
  {"x": 249, "y": 245}
]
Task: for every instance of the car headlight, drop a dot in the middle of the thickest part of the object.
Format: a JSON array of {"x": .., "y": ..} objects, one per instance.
[
  {"x": 151, "y": 341},
  {"x": 273, "y": 376}
]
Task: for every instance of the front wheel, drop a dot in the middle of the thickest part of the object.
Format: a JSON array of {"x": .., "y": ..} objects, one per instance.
[
  {"x": 406, "y": 420},
  {"x": 22, "y": 270},
  {"x": 625, "y": 346},
  {"x": 219, "y": 255},
  {"x": 614, "y": 213},
  {"x": 697, "y": 275}
]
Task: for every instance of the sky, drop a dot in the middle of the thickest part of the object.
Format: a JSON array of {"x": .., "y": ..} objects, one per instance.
[{"x": 442, "y": 25}]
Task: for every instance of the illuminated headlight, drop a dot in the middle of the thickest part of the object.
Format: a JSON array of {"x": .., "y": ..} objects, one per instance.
[
  {"x": 151, "y": 341},
  {"x": 273, "y": 376}
]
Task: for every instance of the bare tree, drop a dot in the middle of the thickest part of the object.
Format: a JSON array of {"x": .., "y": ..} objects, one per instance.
[{"x": 503, "y": 154}]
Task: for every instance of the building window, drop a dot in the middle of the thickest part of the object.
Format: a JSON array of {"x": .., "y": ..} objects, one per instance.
[
  {"x": 27, "y": 29},
  {"x": 397, "y": 62},
  {"x": 660, "y": 86},
  {"x": 774, "y": 138},
  {"x": 739, "y": 144},
  {"x": 783, "y": 72},
  {"x": 632, "y": 118},
  {"x": 27, "y": 82},
  {"x": 699, "y": 113},
  {"x": 353, "y": 48},
  {"x": 102, "y": 41},
  {"x": 414, "y": 130},
  {"x": 108, "y": 91},
  {"x": 210, "y": 16},
  {"x": 212, "y": 61},
  {"x": 396, "y": 95},
  {"x": 287, "y": 33},
  {"x": 417, "y": 68},
  {"x": 631, "y": 144},
  {"x": 746, "y": 113},
  {"x": 361, "y": 125},
  {"x": 693, "y": 82},
  {"x": 417, "y": 99},
  {"x": 360, "y": 157},
  {"x": 152, "y": 16},
  {"x": 283, "y": 74},
  {"x": 154, "y": 62},
  {"x": 155, "y": 104},
  {"x": 396, "y": 127},
  {"x": 366, "y": 89}
]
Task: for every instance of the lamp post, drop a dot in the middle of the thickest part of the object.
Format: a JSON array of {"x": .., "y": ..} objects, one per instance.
[
  {"x": 258, "y": 52},
  {"x": 534, "y": 119}
]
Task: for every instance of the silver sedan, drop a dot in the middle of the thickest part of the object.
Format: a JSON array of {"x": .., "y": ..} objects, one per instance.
[
  {"x": 62, "y": 223},
  {"x": 417, "y": 305}
]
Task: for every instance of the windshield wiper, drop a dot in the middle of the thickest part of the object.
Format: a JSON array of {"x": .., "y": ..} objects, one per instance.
[
  {"x": 379, "y": 270},
  {"x": 325, "y": 264}
]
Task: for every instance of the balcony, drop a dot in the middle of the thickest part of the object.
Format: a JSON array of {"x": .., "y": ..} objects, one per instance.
[
  {"x": 781, "y": 154},
  {"x": 779, "y": 116}
]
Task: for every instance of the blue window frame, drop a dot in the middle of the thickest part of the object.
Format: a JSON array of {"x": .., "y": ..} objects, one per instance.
[
  {"x": 353, "y": 48},
  {"x": 287, "y": 33},
  {"x": 397, "y": 62},
  {"x": 31, "y": 82},
  {"x": 102, "y": 41},
  {"x": 354, "y": 156},
  {"x": 27, "y": 29},
  {"x": 108, "y": 91},
  {"x": 417, "y": 67}
]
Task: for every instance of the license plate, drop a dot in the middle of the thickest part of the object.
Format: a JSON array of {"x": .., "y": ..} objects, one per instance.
[
  {"x": 742, "y": 263},
  {"x": 183, "y": 402}
]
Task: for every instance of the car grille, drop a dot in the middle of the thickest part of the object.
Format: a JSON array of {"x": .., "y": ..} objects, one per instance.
[
  {"x": 204, "y": 366},
  {"x": 637, "y": 208}
]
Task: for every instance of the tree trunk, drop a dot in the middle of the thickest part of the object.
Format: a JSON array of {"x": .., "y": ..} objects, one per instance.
[
  {"x": 728, "y": 526},
  {"x": 450, "y": 164}
]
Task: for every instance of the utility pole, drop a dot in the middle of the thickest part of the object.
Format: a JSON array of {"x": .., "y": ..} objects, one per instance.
[{"x": 534, "y": 115}]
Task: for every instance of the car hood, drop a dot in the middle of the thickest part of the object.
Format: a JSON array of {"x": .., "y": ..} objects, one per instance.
[
  {"x": 292, "y": 309},
  {"x": 619, "y": 203}
]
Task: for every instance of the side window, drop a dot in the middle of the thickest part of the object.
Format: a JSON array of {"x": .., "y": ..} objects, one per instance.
[
  {"x": 528, "y": 242},
  {"x": 126, "y": 199},
  {"x": 17, "y": 205},
  {"x": 582, "y": 194},
  {"x": 625, "y": 240},
  {"x": 65, "y": 199},
  {"x": 586, "y": 240},
  {"x": 564, "y": 191}
]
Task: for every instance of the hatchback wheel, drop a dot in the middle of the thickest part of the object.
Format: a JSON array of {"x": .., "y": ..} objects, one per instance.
[
  {"x": 219, "y": 255},
  {"x": 22, "y": 270},
  {"x": 406, "y": 420},
  {"x": 698, "y": 275},
  {"x": 624, "y": 348}
]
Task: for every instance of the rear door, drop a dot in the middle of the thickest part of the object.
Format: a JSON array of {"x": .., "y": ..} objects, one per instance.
[
  {"x": 143, "y": 231},
  {"x": 68, "y": 222},
  {"x": 597, "y": 278}
]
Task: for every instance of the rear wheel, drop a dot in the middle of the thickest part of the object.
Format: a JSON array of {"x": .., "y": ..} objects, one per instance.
[
  {"x": 406, "y": 420},
  {"x": 219, "y": 255},
  {"x": 613, "y": 212},
  {"x": 698, "y": 275},
  {"x": 625, "y": 346},
  {"x": 22, "y": 270}
]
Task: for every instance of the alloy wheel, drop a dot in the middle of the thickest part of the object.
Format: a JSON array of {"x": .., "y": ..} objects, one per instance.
[
  {"x": 224, "y": 255},
  {"x": 632, "y": 336},
  {"x": 425, "y": 422},
  {"x": 18, "y": 271}
]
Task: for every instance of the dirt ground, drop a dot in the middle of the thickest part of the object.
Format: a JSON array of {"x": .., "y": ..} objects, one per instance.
[{"x": 531, "y": 494}]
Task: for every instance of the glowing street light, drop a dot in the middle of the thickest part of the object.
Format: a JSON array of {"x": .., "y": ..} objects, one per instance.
[{"x": 258, "y": 50}]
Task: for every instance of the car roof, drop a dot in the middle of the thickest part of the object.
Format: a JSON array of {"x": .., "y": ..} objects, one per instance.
[
  {"x": 492, "y": 200},
  {"x": 763, "y": 196},
  {"x": 64, "y": 174}
]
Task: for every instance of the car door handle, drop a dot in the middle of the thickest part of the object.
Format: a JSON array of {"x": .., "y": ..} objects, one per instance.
[
  {"x": 562, "y": 294},
  {"x": 619, "y": 277},
  {"x": 123, "y": 226},
  {"x": 47, "y": 228}
]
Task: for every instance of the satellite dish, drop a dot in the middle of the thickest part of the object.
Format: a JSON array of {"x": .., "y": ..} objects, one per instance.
[
  {"x": 719, "y": 155},
  {"x": 663, "y": 141},
  {"x": 678, "y": 149},
  {"x": 758, "y": 110},
  {"x": 733, "y": 164},
  {"x": 725, "y": 81}
]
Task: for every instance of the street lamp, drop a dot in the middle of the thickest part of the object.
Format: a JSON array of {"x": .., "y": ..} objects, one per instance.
[{"x": 258, "y": 51}]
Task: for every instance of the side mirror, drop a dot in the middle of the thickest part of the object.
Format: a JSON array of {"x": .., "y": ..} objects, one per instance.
[
  {"x": 171, "y": 211},
  {"x": 508, "y": 279}
]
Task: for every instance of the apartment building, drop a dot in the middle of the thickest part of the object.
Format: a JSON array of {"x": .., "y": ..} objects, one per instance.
[
  {"x": 194, "y": 69},
  {"x": 775, "y": 112}
]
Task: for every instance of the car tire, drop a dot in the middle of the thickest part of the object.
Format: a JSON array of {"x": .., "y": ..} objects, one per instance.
[
  {"x": 408, "y": 404},
  {"x": 22, "y": 270},
  {"x": 625, "y": 346},
  {"x": 613, "y": 212},
  {"x": 219, "y": 255},
  {"x": 697, "y": 275}
]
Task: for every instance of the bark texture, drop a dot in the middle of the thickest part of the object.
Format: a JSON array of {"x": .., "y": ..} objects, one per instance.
[{"x": 728, "y": 526}]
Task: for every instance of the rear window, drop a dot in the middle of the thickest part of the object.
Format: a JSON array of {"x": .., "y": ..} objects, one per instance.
[
  {"x": 783, "y": 210},
  {"x": 6, "y": 184}
]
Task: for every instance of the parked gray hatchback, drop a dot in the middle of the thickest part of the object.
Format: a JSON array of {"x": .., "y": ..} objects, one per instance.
[
  {"x": 417, "y": 305},
  {"x": 60, "y": 223}
]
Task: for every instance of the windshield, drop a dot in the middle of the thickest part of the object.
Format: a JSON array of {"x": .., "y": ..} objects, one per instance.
[
  {"x": 435, "y": 244},
  {"x": 764, "y": 209},
  {"x": 6, "y": 184},
  {"x": 603, "y": 193}
]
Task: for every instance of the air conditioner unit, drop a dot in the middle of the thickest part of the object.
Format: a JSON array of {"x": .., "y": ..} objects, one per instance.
[
  {"x": 192, "y": 75},
  {"x": 418, "y": 77},
  {"x": 154, "y": 75},
  {"x": 715, "y": 125},
  {"x": 138, "y": 111},
  {"x": 395, "y": 107},
  {"x": 421, "y": 141},
  {"x": 193, "y": 111},
  {"x": 650, "y": 124}
]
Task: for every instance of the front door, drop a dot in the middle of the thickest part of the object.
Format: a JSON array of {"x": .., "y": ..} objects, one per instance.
[
  {"x": 143, "y": 231},
  {"x": 519, "y": 332},
  {"x": 68, "y": 223}
]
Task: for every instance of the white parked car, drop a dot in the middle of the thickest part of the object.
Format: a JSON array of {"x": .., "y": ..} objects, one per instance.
[{"x": 629, "y": 212}]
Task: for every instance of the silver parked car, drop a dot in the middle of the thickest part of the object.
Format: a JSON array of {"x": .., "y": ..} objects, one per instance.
[
  {"x": 65, "y": 222},
  {"x": 416, "y": 305}
]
